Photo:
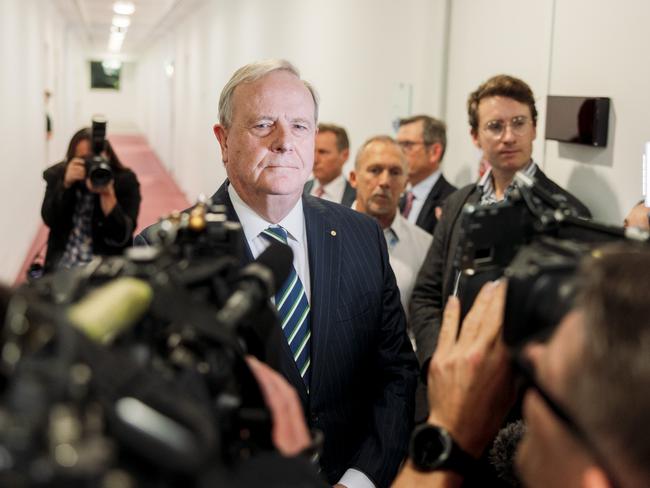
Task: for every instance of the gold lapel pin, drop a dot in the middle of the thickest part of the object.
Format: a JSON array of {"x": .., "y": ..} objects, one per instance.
[{"x": 333, "y": 233}]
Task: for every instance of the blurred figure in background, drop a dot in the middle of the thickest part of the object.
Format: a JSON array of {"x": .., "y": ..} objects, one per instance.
[
  {"x": 85, "y": 219},
  {"x": 639, "y": 216},
  {"x": 332, "y": 151}
]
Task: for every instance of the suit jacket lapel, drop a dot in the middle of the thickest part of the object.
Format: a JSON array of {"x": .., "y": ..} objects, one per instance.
[
  {"x": 349, "y": 195},
  {"x": 323, "y": 239},
  {"x": 428, "y": 209},
  {"x": 221, "y": 197}
]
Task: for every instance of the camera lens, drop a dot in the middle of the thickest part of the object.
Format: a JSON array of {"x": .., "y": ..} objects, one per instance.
[{"x": 101, "y": 175}]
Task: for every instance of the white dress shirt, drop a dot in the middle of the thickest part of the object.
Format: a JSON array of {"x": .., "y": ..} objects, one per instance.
[
  {"x": 420, "y": 193},
  {"x": 407, "y": 247},
  {"x": 333, "y": 191},
  {"x": 294, "y": 223}
]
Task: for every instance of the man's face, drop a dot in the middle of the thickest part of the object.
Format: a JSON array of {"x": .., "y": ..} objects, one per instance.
[
  {"x": 328, "y": 161},
  {"x": 422, "y": 159},
  {"x": 379, "y": 179},
  {"x": 549, "y": 454},
  {"x": 269, "y": 148},
  {"x": 510, "y": 151}
]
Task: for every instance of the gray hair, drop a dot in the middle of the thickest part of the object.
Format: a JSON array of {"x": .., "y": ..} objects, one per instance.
[
  {"x": 380, "y": 138},
  {"x": 253, "y": 72}
]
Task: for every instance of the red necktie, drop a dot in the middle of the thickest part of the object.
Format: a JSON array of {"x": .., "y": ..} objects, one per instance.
[
  {"x": 408, "y": 205},
  {"x": 319, "y": 192}
]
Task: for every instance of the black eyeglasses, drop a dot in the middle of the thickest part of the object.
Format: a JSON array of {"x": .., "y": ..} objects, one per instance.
[
  {"x": 409, "y": 145},
  {"x": 527, "y": 372}
]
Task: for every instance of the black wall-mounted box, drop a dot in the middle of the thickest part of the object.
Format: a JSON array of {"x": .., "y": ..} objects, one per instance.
[{"x": 579, "y": 120}]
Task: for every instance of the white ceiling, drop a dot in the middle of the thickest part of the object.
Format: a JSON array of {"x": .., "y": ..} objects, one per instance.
[{"x": 92, "y": 20}]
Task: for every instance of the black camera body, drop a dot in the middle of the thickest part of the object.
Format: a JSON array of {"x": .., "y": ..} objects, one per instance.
[
  {"x": 98, "y": 167},
  {"x": 537, "y": 243}
]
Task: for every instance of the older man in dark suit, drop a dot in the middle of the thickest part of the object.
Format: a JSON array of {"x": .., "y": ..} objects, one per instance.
[{"x": 345, "y": 347}]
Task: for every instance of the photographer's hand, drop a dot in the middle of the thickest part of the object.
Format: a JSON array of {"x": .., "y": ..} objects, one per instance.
[
  {"x": 290, "y": 433},
  {"x": 74, "y": 171},
  {"x": 107, "y": 198},
  {"x": 470, "y": 380}
]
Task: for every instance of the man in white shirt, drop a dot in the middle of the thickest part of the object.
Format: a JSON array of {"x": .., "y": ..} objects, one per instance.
[
  {"x": 379, "y": 177},
  {"x": 424, "y": 140},
  {"x": 332, "y": 151}
]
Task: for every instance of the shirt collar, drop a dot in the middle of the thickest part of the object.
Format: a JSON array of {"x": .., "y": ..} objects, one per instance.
[
  {"x": 422, "y": 189},
  {"x": 334, "y": 185},
  {"x": 398, "y": 225},
  {"x": 486, "y": 183},
  {"x": 253, "y": 224}
]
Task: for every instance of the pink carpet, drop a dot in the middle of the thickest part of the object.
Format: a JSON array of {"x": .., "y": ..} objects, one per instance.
[{"x": 160, "y": 193}]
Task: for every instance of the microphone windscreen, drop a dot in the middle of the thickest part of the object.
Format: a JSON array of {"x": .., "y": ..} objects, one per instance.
[
  {"x": 278, "y": 258},
  {"x": 502, "y": 453},
  {"x": 111, "y": 308}
]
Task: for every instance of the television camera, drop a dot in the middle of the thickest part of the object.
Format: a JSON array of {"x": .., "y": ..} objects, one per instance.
[
  {"x": 130, "y": 371},
  {"x": 537, "y": 242}
]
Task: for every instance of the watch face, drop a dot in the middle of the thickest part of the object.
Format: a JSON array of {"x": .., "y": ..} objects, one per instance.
[{"x": 430, "y": 447}]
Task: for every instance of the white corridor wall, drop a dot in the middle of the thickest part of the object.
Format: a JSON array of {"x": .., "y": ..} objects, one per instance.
[
  {"x": 371, "y": 61},
  {"x": 37, "y": 52}
]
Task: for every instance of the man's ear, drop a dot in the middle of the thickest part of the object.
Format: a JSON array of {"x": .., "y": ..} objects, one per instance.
[
  {"x": 435, "y": 152},
  {"x": 345, "y": 154},
  {"x": 474, "y": 134},
  {"x": 352, "y": 178},
  {"x": 594, "y": 477},
  {"x": 222, "y": 136}
]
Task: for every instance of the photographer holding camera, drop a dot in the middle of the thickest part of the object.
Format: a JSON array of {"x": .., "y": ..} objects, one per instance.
[
  {"x": 91, "y": 202},
  {"x": 586, "y": 391}
]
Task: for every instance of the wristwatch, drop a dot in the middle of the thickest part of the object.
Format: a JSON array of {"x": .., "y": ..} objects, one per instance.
[{"x": 432, "y": 449}]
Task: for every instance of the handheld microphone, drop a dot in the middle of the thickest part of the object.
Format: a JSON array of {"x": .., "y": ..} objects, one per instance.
[
  {"x": 259, "y": 281},
  {"x": 111, "y": 308}
]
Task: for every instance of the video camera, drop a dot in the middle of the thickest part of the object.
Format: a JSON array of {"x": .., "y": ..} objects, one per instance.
[
  {"x": 132, "y": 368},
  {"x": 537, "y": 243},
  {"x": 98, "y": 168}
]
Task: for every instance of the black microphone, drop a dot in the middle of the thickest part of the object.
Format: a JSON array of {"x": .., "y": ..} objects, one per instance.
[
  {"x": 502, "y": 453},
  {"x": 258, "y": 282}
]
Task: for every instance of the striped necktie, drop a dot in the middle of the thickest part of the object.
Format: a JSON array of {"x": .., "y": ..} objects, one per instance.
[{"x": 293, "y": 310}]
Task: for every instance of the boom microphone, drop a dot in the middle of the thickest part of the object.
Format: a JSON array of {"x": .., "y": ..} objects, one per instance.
[{"x": 259, "y": 281}]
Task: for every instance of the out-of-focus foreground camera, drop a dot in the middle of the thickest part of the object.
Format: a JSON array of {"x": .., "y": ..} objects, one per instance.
[
  {"x": 130, "y": 371},
  {"x": 537, "y": 242}
]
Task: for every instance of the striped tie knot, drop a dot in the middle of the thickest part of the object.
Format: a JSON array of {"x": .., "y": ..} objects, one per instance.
[
  {"x": 293, "y": 311},
  {"x": 276, "y": 232}
]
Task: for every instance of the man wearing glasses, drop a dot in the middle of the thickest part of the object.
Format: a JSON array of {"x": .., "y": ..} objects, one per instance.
[
  {"x": 503, "y": 120},
  {"x": 586, "y": 399},
  {"x": 423, "y": 140}
]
